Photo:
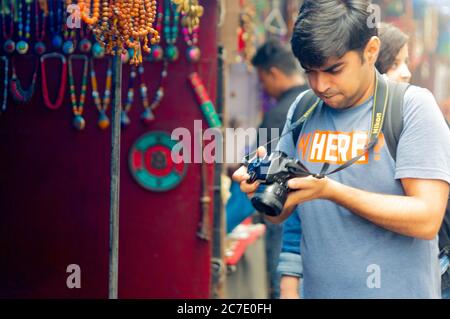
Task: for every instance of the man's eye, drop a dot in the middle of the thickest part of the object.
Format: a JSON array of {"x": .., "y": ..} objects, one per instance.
[{"x": 335, "y": 71}]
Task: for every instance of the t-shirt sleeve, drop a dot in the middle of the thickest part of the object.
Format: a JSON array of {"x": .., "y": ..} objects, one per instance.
[
  {"x": 424, "y": 146},
  {"x": 286, "y": 143}
]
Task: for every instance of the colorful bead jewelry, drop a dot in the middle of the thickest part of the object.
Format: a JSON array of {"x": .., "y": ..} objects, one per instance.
[
  {"x": 39, "y": 47},
  {"x": 192, "y": 12},
  {"x": 124, "y": 118},
  {"x": 5, "y": 83},
  {"x": 19, "y": 94},
  {"x": 78, "y": 107},
  {"x": 55, "y": 18},
  {"x": 171, "y": 30},
  {"x": 148, "y": 116},
  {"x": 102, "y": 108},
  {"x": 193, "y": 53},
  {"x": 122, "y": 24},
  {"x": 24, "y": 33},
  {"x": 9, "y": 45},
  {"x": 62, "y": 84},
  {"x": 157, "y": 52}
]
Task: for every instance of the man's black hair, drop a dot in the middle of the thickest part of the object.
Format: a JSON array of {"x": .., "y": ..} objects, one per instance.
[
  {"x": 330, "y": 28},
  {"x": 274, "y": 54}
]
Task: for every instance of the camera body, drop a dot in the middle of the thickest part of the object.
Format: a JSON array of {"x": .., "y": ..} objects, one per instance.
[{"x": 274, "y": 173}]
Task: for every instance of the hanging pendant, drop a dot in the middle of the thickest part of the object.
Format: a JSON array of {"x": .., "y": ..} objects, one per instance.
[
  {"x": 57, "y": 41},
  {"x": 125, "y": 56},
  {"x": 9, "y": 46},
  {"x": 172, "y": 53},
  {"x": 40, "y": 48},
  {"x": 193, "y": 54},
  {"x": 85, "y": 46},
  {"x": 147, "y": 116},
  {"x": 79, "y": 122},
  {"x": 156, "y": 53},
  {"x": 103, "y": 121},
  {"x": 124, "y": 119},
  {"x": 22, "y": 47},
  {"x": 98, "y": 51},
  {"x": 68, "y": 47}
]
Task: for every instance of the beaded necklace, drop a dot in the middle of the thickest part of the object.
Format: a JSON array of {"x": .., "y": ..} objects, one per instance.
[
  {"x": 39, "y": 47},
  {"x": 103, "y": 121},
  {"x": 193, "y": 53},
  {"x": 9, "y": 45},
  {"x": 69, "y": 43},
  {"x": 124, "y": 118},
  {"x": 5, "y": 83},
  {"x": 85, "y": 44},
  {"x": 19, "y": 94},
  {"x": 171, "y": 30},
  {"x": 22, "y": 46},
  {"x": 148, "y": 116},
  {"x": 56, "y": 17},
  {"x": 78, "y": 107},
  {"x": 62, "y": 85},
  {"x": 157, "y": 52}
]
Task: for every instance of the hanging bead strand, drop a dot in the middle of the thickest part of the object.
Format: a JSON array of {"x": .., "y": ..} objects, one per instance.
[
  {"x": 102, "y": 108},
  {"x": 171, "y": 30},
  {"x": 55, "y": 18},
  {"x": 39, "y": 47},
  {"x": 5, "y": 83},
  {"x": 124, "y": 118},
  {"x": 24, "y": 35},
  {"x": 19, "y": 94},
  {"x": 78, "y": 107},
  {"x": 9, "y": 45},
  {"x": 62, "y": 85}
]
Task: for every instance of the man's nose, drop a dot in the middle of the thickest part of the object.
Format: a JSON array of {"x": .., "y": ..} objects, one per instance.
[{"x": 321, "y": 83}]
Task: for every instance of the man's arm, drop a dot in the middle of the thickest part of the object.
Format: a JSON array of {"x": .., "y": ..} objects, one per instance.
[{"x": 417, "y": 214}]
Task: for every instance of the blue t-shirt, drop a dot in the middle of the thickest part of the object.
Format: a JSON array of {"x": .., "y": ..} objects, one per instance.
[{"x": 345, "y": 255}]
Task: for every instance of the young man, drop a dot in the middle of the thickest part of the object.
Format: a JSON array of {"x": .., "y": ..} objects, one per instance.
[{"x": 370, "y": 230}]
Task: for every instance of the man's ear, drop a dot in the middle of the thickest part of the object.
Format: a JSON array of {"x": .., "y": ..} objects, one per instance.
[
  {"x": 275, "y": 72},
  {"x": 372, "y": 50}
]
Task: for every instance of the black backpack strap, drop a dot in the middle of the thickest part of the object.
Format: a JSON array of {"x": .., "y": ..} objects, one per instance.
[
  {"x": 307, "y": 100},
  {"x": 393, "y": 122}
]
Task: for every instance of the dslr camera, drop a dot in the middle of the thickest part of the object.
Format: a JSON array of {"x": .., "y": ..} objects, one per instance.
[{"x": 273, "y": 172}]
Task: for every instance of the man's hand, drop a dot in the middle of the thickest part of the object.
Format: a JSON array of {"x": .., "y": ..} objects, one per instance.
[
  {"x": 241, "y": 176},
  {"x": 303, "y": 189}
]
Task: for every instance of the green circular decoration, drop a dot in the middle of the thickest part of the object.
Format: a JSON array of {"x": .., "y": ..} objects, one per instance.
[{"x": 151, "y": 164}]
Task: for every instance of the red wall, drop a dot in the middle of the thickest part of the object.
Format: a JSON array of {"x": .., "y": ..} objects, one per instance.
[{"x": 54, "y": 195}]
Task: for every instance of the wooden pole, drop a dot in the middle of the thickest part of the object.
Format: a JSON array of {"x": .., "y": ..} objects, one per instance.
[{"x": 115, "y": 181}]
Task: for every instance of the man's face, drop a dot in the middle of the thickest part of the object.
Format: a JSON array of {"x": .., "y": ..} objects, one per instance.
[
  {"x": 341, "y": 82},
  {"x": 268, "y": 81}
]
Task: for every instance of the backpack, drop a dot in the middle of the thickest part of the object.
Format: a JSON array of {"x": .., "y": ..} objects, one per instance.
[{"x": 392, "y": 128}]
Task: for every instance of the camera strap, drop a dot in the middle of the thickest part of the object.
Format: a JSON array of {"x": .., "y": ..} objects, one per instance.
[{"x": 378, "y": 114}]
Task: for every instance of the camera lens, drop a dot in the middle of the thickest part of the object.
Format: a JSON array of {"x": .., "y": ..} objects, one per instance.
[{"x": 271, "y": 201}]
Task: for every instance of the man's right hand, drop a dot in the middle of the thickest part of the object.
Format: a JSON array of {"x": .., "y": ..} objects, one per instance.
[{"x": 241, "y": 176}]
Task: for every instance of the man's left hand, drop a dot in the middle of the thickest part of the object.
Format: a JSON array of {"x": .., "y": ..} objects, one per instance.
[{"x": 303, "y": 189}]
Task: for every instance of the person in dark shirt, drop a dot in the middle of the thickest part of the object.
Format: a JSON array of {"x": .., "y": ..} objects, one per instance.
[{"x": 281, "y": 78}]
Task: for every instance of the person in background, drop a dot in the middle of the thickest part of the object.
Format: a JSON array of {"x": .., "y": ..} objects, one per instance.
[
  {"x": 394, "y": 53},
  {"x": 281, "y": 78}
]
